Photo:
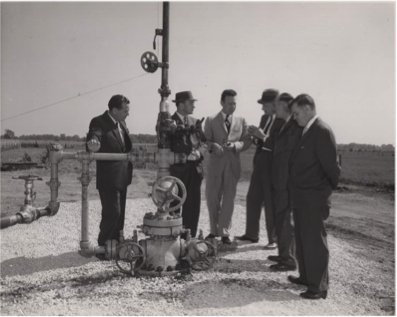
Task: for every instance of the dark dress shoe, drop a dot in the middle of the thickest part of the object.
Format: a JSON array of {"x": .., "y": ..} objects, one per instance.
[
  {"x": 245, "y": 238},
  {"x": 312, "y": 295},
  {"x": 296, "y": 280},
  {"x": 275, "y": 258},
  {"x": 270, "y": 246},
  {"x": 210, "y": 236},
  {"x": 281, "y": 267},
  {"x": 226, "y": 240}
]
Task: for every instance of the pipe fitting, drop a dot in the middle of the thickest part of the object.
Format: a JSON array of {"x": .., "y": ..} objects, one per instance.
[
  {"x": 53, "y": 207},
  {"x": 85, "y": 179},
  {"x": 88, "y": 249},
  {"x": 54, "y": 183},
  {"x": 85, "y": 157}
]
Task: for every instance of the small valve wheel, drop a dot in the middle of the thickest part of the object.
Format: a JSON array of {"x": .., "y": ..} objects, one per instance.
[
  {"x": 149, "y": 62},
  {"x": 130, "y": 257},
  {"x": 28, "y": 177},
  {"x": 165, "y": 191}
]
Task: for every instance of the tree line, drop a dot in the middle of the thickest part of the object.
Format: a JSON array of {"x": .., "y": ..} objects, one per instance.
[
  {"x": 10, "y": 135},
  {"x": 357, "y": 147},
  {"x": 150, "y": 139}
]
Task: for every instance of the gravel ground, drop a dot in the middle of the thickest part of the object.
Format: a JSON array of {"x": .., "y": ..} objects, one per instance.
[{"x": 42, "y": 274}]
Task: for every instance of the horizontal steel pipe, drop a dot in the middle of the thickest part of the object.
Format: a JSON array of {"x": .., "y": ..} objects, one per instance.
[{"x": 24, "y": 217}]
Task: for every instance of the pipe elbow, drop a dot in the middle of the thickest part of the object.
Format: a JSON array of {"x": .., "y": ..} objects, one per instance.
[
  {"x": 88, "y": 249},
  {"x": 53, "y": 207}
]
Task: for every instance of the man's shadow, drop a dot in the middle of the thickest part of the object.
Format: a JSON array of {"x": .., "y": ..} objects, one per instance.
[{"x": 25, "y": 266}]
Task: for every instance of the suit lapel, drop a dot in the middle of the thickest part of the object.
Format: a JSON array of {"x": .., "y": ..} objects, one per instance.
[
  {"x": 233, "y": 124},
  {"x": 221, "y": 121},
  {"x": 113, "y": 127},
  {"x": 177, "y": 118},
  {"x": 305, "y": 136}
]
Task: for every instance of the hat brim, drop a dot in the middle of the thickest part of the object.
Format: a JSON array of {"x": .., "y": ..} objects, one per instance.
[
  {"x": 264, "y": 101},
  {"x": 183, "y": 100}
]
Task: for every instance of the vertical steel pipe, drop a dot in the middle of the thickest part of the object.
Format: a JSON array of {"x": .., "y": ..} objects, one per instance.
[
  {"x": 85, "y": 181},
  {"x": 165, "y": 92}
]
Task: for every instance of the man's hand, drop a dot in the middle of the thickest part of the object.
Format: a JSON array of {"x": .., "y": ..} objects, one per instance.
[
  {"x": 256, "y": 132},
  {"x": 93, "y": 145},
  {"x": 218, "y": 150},
  {"x": 229, "y": 146}
]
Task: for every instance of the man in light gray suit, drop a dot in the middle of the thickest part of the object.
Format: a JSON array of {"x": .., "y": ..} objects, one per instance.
[{"x": 226, "y": 136}]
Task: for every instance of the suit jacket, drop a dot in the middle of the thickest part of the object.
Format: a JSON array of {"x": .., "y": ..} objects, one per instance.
[
  {"x": 284, "y": 144},
  {"x": 215, "y": 132},
  {"x": 183, "y": 144},
  {"x": 111, "y": 175},
  {"x": 314, "y": 167},
  {"x": 269, "y": 143}
]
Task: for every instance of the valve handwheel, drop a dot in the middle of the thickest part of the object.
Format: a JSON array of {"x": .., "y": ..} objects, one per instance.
[
  {"x": 132, "y": 254},
  {"x": 165, "y": 191},
  {"x": 28, "y": 177},
  {"x": 149, "y": 62}
]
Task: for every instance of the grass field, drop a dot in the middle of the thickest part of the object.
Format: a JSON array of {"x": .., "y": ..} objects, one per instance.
[{"x": 369, "y": 169}]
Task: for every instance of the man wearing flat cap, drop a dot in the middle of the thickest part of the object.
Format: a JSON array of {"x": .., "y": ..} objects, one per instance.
[
  {"x": 191, "y": 173},
  {"x": 260, "y": 188}
]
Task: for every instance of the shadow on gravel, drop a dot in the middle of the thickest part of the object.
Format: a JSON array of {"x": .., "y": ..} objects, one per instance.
[
  {"x": 227, "y": 293},
  {"x": 24, "y": 266},
  {"x": 239, "y": 266}
]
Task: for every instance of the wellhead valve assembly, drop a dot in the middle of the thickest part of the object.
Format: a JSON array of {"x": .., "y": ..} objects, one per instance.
[{"x": 163, "y": 252}]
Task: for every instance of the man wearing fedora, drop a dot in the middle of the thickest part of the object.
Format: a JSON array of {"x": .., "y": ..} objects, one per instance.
[
  {"x": 191, "y": 173},
  {"x": 260, "y": 188},
  {"x": 227, "y": 137}
]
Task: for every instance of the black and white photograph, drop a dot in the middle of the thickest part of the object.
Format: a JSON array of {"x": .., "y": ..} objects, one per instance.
[{"x": 198, "y": 158}]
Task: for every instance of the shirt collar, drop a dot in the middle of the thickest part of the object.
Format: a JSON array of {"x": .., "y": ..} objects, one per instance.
[
  {"x": 309, "y": 124},
  {"x": 180, "y": 116},
  {"x": 115, "y": 122},
  {"x": 224, "y": 115}
]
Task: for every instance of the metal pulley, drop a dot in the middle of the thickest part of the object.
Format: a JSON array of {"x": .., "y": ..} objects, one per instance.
[{"x": 149, "y": 62}]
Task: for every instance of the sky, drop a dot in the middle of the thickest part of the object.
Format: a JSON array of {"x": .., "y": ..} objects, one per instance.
[{"x": 69, "y": 58}]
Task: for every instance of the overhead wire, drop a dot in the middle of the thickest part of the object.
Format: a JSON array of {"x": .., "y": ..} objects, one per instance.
[{"x": 70, "y": 98}]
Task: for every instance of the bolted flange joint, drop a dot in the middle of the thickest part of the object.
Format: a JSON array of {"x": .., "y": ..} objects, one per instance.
[{"x": 54, "y": 183}]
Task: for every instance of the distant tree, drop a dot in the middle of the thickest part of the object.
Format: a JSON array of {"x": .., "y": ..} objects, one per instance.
[
  {"x": 9, "y": 134},
  {"x": 75, "y": 138},
  {"x": 63, "y": 136}
]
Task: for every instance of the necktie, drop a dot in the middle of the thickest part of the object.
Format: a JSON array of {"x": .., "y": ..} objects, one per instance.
[
  {"x": 267, "y": 128},
  {"x": 185, "y": 122},
  {"x": 227, "y": 123},
  {"x": 120, "y": 131}
]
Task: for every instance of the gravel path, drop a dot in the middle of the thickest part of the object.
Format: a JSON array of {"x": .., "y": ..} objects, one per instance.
[{"x": 42, "y": 274}]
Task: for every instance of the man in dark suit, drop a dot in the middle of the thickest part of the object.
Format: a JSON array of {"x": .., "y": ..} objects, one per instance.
[
  {"x": 108, "y": 133},
  {"x": 284, "y": 145},
  {"x": 260, "y": 188},
  {"x": 314, "y": 174},
  {"x": 191, "y": 173}
]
